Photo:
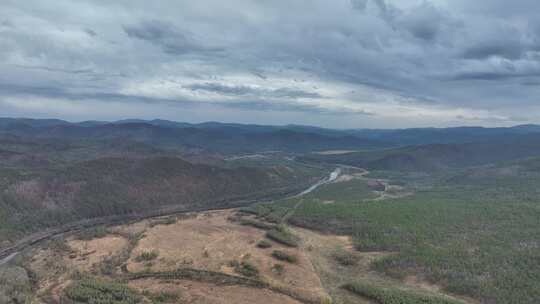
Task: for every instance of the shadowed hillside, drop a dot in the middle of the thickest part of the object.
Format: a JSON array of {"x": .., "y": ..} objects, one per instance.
[
  {"x": 32, "y": 199},
  {"x": 438, "y": 156}
]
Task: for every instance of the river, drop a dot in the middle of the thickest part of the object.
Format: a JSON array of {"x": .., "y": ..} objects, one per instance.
[{"x": 332, "y": 177}]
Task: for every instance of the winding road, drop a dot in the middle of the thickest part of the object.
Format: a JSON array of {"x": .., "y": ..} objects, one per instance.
[{"x": 7, "y": 254}]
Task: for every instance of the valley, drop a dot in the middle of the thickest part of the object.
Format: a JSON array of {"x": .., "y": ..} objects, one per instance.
[
  {"x": 86, "y": 222},
  {"x": 270, "y": 152}
]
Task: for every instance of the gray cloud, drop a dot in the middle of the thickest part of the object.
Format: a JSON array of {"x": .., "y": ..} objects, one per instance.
[
  {"x": 408, "y": 62},
  {"x": 171, "y": 39},
  {"x": 90, "y": 32},
  {"x": 495, "y": 75},
  {"x": 425, "y": 22},
  {"x": 251, "y": 91},
  {"x": 506, "y": 49},
  {"x": 6, "y": 23},
  {"x": 359, "y": 4}
]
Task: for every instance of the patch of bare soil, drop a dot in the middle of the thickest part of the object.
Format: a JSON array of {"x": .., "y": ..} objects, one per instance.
[
  {"x": 204, "y": 293},
  {"x": 210, "y": 242},
  {"x": 350, "y": 174},
  {"x": 86, "y": 254}
]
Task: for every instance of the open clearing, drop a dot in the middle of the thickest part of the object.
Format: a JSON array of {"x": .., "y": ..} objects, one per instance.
[
  {"x": 211, "y": 241},
  {"x": 215, "y": 249},
  {"x": 86, "y": 254}
]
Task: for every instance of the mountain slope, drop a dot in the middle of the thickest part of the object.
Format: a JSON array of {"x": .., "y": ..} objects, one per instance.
[
  {"x": 438, "y": 156},
  {"x": 30, "y": 200}
]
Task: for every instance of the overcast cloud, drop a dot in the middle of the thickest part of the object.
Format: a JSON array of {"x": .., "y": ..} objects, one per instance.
[{"x": 339, "y": 63}]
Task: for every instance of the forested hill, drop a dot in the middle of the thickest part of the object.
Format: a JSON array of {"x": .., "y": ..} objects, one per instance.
[{"x": 51, "y": 196}]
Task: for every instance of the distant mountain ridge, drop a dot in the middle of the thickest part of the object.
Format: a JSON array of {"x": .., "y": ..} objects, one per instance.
[
  {"x": 217, "y": 137},
  {"x": 246, "y": 138}
]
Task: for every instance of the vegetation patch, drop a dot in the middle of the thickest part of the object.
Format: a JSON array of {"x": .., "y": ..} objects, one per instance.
[
  {"x": 147, "y": 256},
  {"x": 245, "y": 268},
  {"x": 273, "y": 213},
  {"x": 264, "y": 244},
  {"x": 283, "y": 235},
  {"x": 345, "y": 258},
  {"x": 256, "y": 224},
  {"x": 93, "y": 291},
  {"x": 279, "y": 269},
  {"x": 15, "y": 285},
  {"x": 213, "y": 277},
  {"x": 284, "y": 256},
  {"x": 387, "y": 295},
  {"x": 169, "y": 220},
  {"x": 58, "y": 245},
  {"x": 162, "y": 297}
]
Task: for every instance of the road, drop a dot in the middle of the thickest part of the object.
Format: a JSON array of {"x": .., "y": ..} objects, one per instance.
[
  {"x": 8, "y": 254},
  {"x": 8, "y": 258}
]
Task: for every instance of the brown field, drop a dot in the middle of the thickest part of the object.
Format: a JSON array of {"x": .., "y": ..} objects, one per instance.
[{"x": 209, "y": 241}]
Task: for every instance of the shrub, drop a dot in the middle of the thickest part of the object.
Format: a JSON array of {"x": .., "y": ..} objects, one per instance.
[
  {"x": 169, "y": 220},
  {"x": 284, "y": 256},
  {"x": 245, "y": 268},
  {"x": 147, "y": 256},
  {"x": 93, "y": 291},
  {"x": 282, "y": 235},
  {"x": 162, "y": 297},
  {"x": 345, "y": 258},
  {"x": 264, "y": 244},
  {"x": 58, "y": 245},
  {"x": 256, "y": 224},
  {"x": 278, "y": 268}
]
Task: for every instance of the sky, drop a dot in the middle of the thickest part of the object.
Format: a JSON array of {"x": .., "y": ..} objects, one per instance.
[{"x": 330, "y": 63}]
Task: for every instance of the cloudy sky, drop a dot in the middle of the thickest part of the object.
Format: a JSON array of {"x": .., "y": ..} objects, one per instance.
[{"x": 333, "y": 63}]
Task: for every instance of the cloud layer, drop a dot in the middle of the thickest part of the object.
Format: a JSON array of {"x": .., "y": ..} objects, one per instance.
[{"x": 342, "y": 63}]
